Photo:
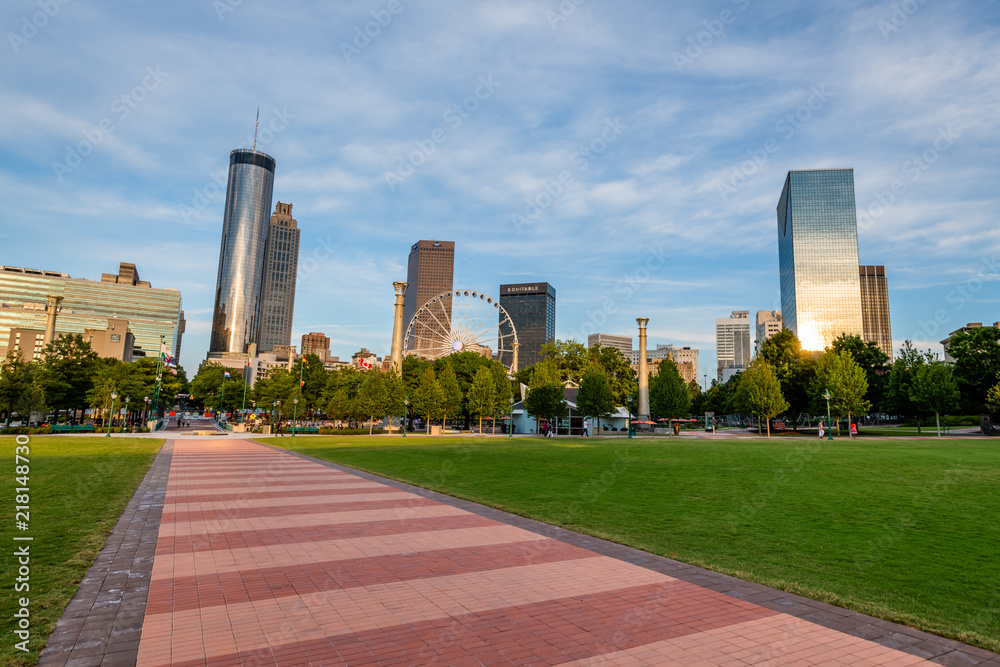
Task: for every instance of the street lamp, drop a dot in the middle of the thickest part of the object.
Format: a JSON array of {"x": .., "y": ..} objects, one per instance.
[
  {"x": 406, "y": 413},
  {"x": 510, "y": 424},
  {"x": 145, "y": 412},
  {"x": 114, "y": 395},
  {"x": 630, "y": 415},
  {"x": 127, "y": 399},
  {"x": 829, "y": 424},
  {"x": 295, "y": 414}
]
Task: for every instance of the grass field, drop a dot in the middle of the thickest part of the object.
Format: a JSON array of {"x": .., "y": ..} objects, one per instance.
[
  {"x": 904, "y": 530},
  {"x": 79, "y": 486}
]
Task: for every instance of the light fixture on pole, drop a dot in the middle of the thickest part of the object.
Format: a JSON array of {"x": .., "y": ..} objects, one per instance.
[
  {"x": 630, "y": 415},
  {"x": 295, "y": 414},
  {"x": 510, "y": 424},
  {"x": 829, "y": 424},
  {"x": 406, "y": 413},
  {"x": 114, "y": 395},
  {"x": 127, "y": 399}
]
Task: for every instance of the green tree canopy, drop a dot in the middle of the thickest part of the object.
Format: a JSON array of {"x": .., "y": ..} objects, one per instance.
[
  {"x": 668, "y": 394},
  {"x": 838, "y": 373},
  {"x": 795, "y": 370},
  {"x": 453, "y": 396},
  {"x": 977, "y": 363},
  {"x": 595, "y": 398},
  {"x": 898, "y": 399},
  {"x": 875, "y": 363},
  {"x": 759, "y": 392},
  {"x": 429, "y": 398},
  {"x": 67, "y": 373},
  {"x": 546, "y": 399},
  {"x": 482, "y": 395},
  {"x": 934, "y": 389},
  {"x": 504, "y": 393}
]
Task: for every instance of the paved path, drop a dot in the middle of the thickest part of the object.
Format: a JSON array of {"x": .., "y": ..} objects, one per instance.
[{"x": 267, "y": 558}]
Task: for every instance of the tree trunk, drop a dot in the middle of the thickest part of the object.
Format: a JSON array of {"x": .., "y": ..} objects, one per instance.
[
  {"x": 918, "y": 425},
  {"x": 371, "y": 424},
  {"x": 769, "y": 428},
  {"x": 758, "y": 427},
  {"x": 937, "y": 418},
  {"x": 480, "y": 424}
]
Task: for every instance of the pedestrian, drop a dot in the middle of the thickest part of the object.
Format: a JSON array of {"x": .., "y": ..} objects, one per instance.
[
  {"x": 821, "y": 432},
  {"x": 586, "y": 428},
  {"x": 854, "y": 430}
]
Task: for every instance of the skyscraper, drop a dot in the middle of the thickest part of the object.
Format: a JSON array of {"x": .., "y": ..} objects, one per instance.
[
  {"x": 768, "y": 324},
  {"x": 430, "y": 271},
  {"x": 621, "y": 343},
  {"x": 732, "y": 342},
  {"x": 316, "y": 342},
  {"x": 239, "y": 287},
  {"x": 532, "y": 310},
  {"x": 875, "y": 307},
  {"x": 818, "y": 256},
  {"x": 280, "y": 268}
]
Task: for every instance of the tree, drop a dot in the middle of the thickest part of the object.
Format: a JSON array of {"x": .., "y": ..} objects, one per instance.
[
  {"x": 934, "y": 389},
  {"x": 310, "y": 368},
  {"x": 429, "y": 398},
  {"x": 67, "y": 373},
  {"x": 504, "y": 392},
  {"x": 206, "y": 387},
  {"x": 453, "y": 396},
  {"x": 545, "y": 398},
  {"x": 993, "y": 398},
  {"x": 795, "y": 370},
  {"x": 899, "y": 387},
  {"x": 668, "y": 395},
  {"x": 482, "y": 395},
  {"x": 14, "y": 382},
  {"x": 465, "y": 365},
  {"x": 340, "y": 393},
  {"x": 838, "y": 373},
  {"x": 759, "y": 392},
  {"x": 373, "y": 398},
  {"x": 569, "y": 358},
  {"x": 977, "y": 362},
  {"x": 617, "y": 369},
  {"x": 870, "y": 357},
  {"x": 595, "y": 399}
]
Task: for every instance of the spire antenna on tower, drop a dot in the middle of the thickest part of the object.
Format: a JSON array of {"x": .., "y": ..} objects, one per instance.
[{"x": 255, "y": 126}]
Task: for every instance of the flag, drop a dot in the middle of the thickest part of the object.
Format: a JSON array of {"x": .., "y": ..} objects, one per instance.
[
  {"x": 302, "y": 383},
  {"x": 226, "y": 374}
]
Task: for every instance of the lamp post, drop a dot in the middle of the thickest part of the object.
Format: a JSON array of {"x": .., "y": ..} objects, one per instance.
[
  {"x": 114, "y": 395},
  {"x": 630, "y": 415},
  {"x": 127, "y": 418},
  {"x": 829, "y": 424},
  {"x": 145, "y": 412},
  {"x": 295, "y": 413},
  {"x": 406, "y": 413},
  {"x": 510, "y": 424},
  {"x": 706, "y": 382}
]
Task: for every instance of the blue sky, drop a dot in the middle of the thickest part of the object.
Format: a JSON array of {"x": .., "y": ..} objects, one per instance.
[{"x": 631, "y": 154}]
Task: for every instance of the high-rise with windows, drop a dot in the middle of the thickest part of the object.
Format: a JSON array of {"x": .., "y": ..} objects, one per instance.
[
  {"x": 818, "y": 256},
  {"x": 732, "y": 342},
  {"x": 280, "y": 268},
  {"x": 875, "y": 307},
  {"x": 532, "y": 310},
  {"x": 768, "y": 324},
  {"x": 245, "y": 225},
  {"x": 430, "y": 271},
  {"x": 621, "y": 343}
]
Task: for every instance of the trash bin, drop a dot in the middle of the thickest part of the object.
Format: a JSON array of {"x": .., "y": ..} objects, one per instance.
[{"x": 677, "y": 428}]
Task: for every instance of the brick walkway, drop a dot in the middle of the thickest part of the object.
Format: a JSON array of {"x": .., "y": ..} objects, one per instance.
[{"x": 266, "y": 558}]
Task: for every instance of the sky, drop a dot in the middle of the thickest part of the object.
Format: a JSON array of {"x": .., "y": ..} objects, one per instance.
[{"x": 631, "y": 154}]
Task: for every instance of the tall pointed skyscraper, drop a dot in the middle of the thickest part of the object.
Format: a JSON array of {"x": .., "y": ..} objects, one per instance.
[
  {"x": 280, "y": 267},
  {"x": 245, "y": 224},
  {"x": 818, "y": 256},
  {"x": 430, "y": 271}
]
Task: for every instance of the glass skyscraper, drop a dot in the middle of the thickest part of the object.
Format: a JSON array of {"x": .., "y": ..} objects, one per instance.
[
  {"x": 245, "y": 224},
  {"x": 532, "y": 310},
  {"x": 818, "y": 256}
]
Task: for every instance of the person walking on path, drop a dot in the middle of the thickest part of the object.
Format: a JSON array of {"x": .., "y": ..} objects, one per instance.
[
  {"x": 854, "y": 430},
  {"x": 821, "y": 432},
  {"x": 586, "y": 429}
]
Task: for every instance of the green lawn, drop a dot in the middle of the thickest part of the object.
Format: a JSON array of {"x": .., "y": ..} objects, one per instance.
[
  {"x": 79, "y": 486},
  {"x": 906, "y": 530}
]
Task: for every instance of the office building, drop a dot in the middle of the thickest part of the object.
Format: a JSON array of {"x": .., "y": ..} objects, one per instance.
[
  {"x": 245, "y": 225},
  {"x": 280, "y": 268},
  {"x": 115, "y": 341},
  {"x": 78, "y": 304},
  {"x": 768, "y": 323},
  {"x": 818, "y": 256},
  {"x": 316, "y": 342},
  {"x": 685, "y": 358},
  {"x": 532, "y": 310},
  {"x": 732, "y": 342},
  {"x": 966, "y": 329},
  {"x": 875, "y": 307},
  {"x": 621, "y": 343},
  {"x": 430, "y": 271}
]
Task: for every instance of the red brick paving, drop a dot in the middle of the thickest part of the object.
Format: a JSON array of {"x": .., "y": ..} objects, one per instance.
[{"x": 266, "y": 559}]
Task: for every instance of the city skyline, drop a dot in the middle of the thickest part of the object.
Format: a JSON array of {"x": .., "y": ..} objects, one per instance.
[{"x": 632, "y": 158}]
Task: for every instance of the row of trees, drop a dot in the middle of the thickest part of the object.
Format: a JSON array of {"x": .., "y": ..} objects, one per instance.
[{"x": 70, "y": 377}]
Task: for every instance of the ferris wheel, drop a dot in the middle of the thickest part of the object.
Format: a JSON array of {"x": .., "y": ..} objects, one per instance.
[{"x": 462, "y": 321}]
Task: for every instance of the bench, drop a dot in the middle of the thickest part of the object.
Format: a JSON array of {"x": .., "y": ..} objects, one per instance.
[
  {"x": 306, "y": 429},
  {"x": 73, "y": 428}
]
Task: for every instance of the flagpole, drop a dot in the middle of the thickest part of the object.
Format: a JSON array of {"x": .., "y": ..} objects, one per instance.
[
  {"x": 156, "y": 387},
  {"x": 221, "y": 398},
  {"x": 245, "y": 372}
]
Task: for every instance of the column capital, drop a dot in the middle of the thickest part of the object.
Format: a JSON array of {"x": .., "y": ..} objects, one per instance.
[
  {"x": 643, "y": 321},
  {"x": 400, "y": 287}
]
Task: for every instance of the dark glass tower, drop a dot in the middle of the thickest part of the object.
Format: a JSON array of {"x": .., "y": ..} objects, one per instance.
[
  {"x": 280, "y": 269},
  {"x": 818, "y": 256},
  {"x": 532, "y": 309},
  {"x": 238, "y": 290}
]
